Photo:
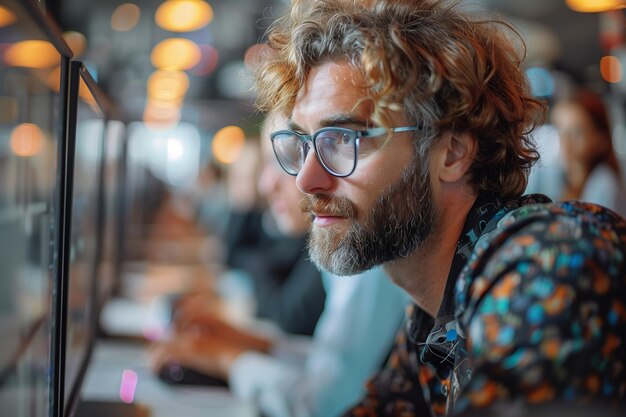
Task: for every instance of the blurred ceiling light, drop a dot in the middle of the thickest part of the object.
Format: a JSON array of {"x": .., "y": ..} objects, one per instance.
[
  {"x": 227, "y": 144},
  {"x": 611, "y": 69},
  {"x": 208, "y": 61},
  {"x": 32, "y": 54},
  {"x": 6, "y": 17},
  {"x": 125, "y": 17},
  {"x": 183, "y": 15},
  {"x": 159, "y": 126},
  {"x": 164, "y": 104},
  {"x": 76, "y": 41},
  {"x": 168, "y": 85},
  {"x": 159, "y": 120},
  {"x": 590, "y": 6},
  {"x": 175, "y": 54},
  {"x": 161, "y": 110},
  {"x": 27, "y": 140}
]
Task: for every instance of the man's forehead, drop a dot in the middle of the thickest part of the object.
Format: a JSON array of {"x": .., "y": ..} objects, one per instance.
[
  {"x": 331, "y": 89},
  {"x": 332, "y": 77}
]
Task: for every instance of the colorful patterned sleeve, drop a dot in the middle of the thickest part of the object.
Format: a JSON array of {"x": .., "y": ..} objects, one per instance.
[
  {"x": 395, "y": 391},
  {"x": 544, "y": 307}
]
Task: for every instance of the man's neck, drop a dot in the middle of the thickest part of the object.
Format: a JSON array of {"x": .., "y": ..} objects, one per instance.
[{"x": 424, "y": 273}]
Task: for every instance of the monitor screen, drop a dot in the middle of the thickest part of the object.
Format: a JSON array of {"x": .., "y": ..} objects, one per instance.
[
  {"x": 32, "y": 129},
  {"x": 81, "y": 247}
]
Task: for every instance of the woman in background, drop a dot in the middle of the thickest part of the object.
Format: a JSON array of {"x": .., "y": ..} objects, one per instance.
[{"x": 591, "y": 168}]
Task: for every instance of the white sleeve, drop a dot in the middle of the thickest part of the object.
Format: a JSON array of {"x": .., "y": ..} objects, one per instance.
[
  {"x": 264, "y": 380},
  {"x": 352, "y": 338}
]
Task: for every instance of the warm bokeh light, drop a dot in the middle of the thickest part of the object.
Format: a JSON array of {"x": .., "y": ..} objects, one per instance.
[
  {"x": 161, "y": 111},
  {"x": 227, "y": 144},
  {"x": 159, "y": 116},
  {"x": 27, "y": 140},
  {"x": 175, "y": 54},
  {"x": 32, "y": 54},
  {"x": 76, "y": 41},
  {"x": 168, "y": 85},
  {"x": 590, "y": 6},
  {"x": 125, "y": 17},
  {"x": 611, "y": 69},
  {"x": 183, "y": 15},
  {"x": 6, "y": 17},
  {"x": 159, "y": 126}
]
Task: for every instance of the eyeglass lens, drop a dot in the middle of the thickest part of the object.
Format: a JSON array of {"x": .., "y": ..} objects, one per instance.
[{"x": 335, "y": 149}]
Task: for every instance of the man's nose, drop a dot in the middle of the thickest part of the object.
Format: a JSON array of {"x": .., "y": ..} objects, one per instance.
[{"x": 313, "y": 178}]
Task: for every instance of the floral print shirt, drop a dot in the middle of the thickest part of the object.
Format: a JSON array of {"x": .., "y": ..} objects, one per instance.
[{"x": 534, "y": 310}]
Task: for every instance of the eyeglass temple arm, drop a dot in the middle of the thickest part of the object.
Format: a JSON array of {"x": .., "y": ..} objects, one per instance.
[{"x": 378, "y": 131}]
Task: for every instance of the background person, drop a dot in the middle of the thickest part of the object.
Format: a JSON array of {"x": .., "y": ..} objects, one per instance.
[
  {"x": 591, "y": 170},
  {"x": 267, "y": 271}
]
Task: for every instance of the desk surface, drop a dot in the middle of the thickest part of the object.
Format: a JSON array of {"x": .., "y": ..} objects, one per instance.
[{"x": 104, "y": 376}]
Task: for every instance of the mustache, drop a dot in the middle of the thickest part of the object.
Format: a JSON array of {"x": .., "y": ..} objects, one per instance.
[{"x": 322, "y": 203}]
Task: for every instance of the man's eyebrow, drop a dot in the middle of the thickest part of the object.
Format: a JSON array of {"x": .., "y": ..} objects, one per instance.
[
  {"x": 342, "y": 120},
  {"x": 338, "y": 120},
  {"x": 291, "y": 125}
]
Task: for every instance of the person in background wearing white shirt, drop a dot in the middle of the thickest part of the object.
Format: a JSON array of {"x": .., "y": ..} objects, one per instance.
[{"x": 288, "y": 376}]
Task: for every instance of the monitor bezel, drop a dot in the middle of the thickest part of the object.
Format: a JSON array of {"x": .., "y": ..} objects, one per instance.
[{"x": 66, "y": 405}]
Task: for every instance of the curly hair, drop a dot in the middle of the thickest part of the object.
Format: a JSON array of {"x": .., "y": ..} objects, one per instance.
[{"x": 445, "y": 69}]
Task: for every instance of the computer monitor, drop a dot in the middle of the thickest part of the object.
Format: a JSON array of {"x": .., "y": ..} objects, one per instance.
[
  {"x": 33, "y": 103},
  {"x": 82, "y": 225}
]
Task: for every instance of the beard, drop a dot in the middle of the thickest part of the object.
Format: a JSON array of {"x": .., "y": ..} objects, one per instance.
[{"x": 398, "y": 223}]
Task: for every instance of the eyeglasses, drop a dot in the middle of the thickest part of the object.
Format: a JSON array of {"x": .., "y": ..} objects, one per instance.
[{"x": 336, "y": 148}]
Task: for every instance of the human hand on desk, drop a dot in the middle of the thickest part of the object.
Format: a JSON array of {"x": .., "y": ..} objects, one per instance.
[
  {"x": 197, "y": 305},
  {"x": 210, "y": 347}
]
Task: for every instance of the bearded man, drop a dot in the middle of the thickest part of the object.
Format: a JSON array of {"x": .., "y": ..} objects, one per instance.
[{"x": 408, "y": 131}]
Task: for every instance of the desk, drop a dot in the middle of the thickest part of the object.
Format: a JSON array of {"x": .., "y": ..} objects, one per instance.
[{"x": 111, "y": 358}]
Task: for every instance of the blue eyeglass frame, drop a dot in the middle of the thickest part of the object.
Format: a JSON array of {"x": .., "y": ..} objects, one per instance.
[{"x": 358, "y": 134}]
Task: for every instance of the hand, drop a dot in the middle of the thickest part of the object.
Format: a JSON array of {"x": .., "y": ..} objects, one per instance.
[
  {"x": 206, "y": 354},
  {"x": 210, "y": 346},
  {"x": 198, "y": 305}
]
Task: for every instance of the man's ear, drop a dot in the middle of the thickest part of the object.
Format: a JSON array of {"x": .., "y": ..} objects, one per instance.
[{"x": 459, "y": 151}]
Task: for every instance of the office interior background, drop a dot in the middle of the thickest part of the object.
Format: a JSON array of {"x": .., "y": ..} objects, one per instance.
[{"x": 163, "y": 90}]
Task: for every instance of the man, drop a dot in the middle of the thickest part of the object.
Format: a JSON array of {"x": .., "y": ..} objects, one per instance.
[{"x": 407, "y": 133}]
